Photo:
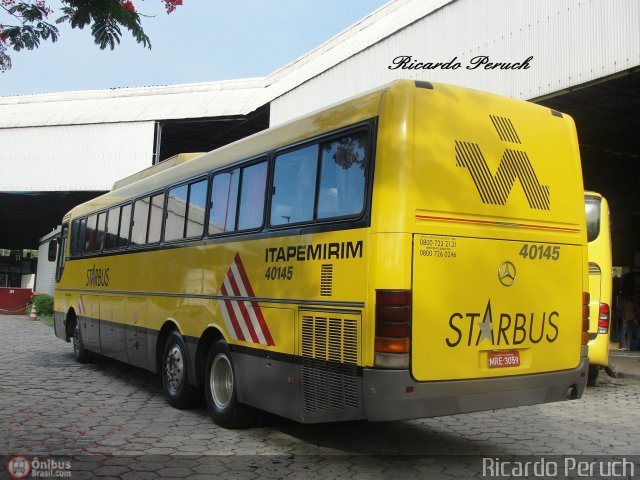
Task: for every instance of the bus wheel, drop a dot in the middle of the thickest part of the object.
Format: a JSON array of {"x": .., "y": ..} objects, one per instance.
[
  {"x": 179, "y": 393},
  {"x": 79, "y": 352},
  {"x": 221, "y": 390},
  {"x": 593, "y": 375}
]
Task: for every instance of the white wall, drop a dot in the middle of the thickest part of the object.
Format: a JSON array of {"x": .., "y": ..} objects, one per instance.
[
  {"x": 46, "y": 270},
  {"x": 73, "y": 157}
]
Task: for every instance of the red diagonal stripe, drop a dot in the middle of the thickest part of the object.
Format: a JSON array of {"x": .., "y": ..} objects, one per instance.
[
  {"x": 243, "y": 309},
  {"x": 256, "y": 307},
  {"x": 232, "y": 315},
  {"x": 263, "y": 324},
  {"x": 243, "y": 275}
]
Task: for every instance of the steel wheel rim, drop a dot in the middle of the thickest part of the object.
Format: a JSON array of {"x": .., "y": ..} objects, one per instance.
[
  {"x": 174, "y": 367},
  {"x": 221, "y": 381}
]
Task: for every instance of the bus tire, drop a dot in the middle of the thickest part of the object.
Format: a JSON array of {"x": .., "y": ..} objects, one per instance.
[
  {"x": 174, "y": 371},
  {"x": 593, "y": 375},
  {"x": 221, "y": 390},
  {"x": 80, "y": 353}
]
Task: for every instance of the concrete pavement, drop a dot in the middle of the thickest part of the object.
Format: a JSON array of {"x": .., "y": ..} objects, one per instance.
[
  {"x": 110, "y": 420},
  {"x": 625, "y": 364}
]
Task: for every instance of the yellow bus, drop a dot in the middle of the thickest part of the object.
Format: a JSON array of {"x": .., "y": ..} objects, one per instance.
[
  {"x": 419, "y": 250},
  {"x": 600, "y": 281}
]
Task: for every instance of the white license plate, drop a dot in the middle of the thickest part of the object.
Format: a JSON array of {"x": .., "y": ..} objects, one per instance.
[{"x": 498, "y": 359}]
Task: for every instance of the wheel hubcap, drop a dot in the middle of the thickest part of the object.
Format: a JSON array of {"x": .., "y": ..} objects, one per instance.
[
  {"x": 174, "y": 367},
  {"x": 221, "y": 381}
]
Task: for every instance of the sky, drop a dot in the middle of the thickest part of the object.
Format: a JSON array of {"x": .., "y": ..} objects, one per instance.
[{"x": 202, "y": 41}]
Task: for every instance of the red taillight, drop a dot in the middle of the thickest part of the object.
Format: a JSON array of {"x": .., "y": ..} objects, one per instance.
[
  {"x": 604, "y": 316},
  {"x": 585, "y": 317},
  {"x": 393, "y": 328},
  {"x": 393, "y": 297}
]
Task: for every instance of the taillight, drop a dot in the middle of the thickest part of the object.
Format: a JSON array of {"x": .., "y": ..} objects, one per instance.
[
  {"x": 585, "y": 318},
  {"x": 604, "y": 316},
  {"x": 393, "y": 328}
]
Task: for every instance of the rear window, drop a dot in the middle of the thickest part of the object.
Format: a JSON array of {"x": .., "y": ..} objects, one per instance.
[{"x": 592, "y": 209}]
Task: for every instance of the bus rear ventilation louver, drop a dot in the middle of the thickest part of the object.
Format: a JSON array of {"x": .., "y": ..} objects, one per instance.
[{"x": 329, "y": 363}]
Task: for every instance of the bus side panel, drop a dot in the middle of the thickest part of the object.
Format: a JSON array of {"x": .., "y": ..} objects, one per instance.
[
  {"x": 138, "y": 344},
  {"x": 268, "y": 379},
  {"x": 89, "y": 318},
  {"x": 112, "y": 331}
]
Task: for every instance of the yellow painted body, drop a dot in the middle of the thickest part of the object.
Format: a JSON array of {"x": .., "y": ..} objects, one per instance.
[
  {"x": 600, "y": 281},
  {"x": 429, "y": 230}
]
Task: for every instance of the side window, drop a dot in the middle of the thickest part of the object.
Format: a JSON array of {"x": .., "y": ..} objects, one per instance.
[
  {"x": 294, "y": 185},
  {"x": 186, "y": 207},
  {"x": 254, "y": 179},
  {"x": 155, "y": 218},
  {"x": 227, "y": 214},
  {"x": 224, "y": 198},
  {"x": 197, "y": 208},
  {"x": 342, "y": 177},
  {"x": 125, "y": 223},
  {"x": 299, "y": 196},
  {"x": 140, "y": 220},
  {"x": 113, "y": 222},
  {"x": 176, "y": 213},
  {"x": 75, "y": 232},
  {"x": 92, "y": 234},
  {"x": 62, "y": 251},
  {"x": 82, "y": 235},
  {"x": 100, "y": 231}
]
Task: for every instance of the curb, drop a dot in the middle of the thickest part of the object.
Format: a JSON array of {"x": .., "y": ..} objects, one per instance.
[{"x": 619, "y": 363}]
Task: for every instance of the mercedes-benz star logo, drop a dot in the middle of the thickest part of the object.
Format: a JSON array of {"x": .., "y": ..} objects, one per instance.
[{"x": 507, "y": 273}]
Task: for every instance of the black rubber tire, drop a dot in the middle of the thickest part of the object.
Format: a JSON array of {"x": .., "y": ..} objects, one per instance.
[
  {"x": 224, "y": 407},
  {"x": 593, "y": 375},
  {"x": 175, "y": 374},
  {"x": 80, "y": 353}
]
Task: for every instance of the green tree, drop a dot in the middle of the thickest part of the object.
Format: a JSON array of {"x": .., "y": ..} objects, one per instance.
[{"x": 24, "y": 24}]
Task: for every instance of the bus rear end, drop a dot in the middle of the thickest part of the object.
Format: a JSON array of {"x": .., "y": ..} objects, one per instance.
[
  {"x": 600, "y": 281},
  {"x": 488, "y": 223}
]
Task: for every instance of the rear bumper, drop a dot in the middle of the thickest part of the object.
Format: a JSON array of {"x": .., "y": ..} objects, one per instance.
[{"x": 395, "y": 395}]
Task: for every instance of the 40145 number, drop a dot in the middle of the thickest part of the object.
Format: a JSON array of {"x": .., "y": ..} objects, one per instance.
[
  {"x": 539, "y": 252},
  {"x": 279, "y": 273}
]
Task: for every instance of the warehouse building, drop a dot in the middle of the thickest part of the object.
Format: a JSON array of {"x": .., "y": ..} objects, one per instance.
[{"x": 578, "y": 57}]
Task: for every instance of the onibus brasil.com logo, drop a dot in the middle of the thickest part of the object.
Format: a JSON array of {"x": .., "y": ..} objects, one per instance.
[{"x": 19, "y": 466}]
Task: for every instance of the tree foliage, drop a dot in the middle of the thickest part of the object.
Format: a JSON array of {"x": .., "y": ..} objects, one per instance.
[{"x": 29, "y": 24}]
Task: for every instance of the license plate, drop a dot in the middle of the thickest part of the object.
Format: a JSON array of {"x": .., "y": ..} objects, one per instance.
[{"x": 497, "y": 359}]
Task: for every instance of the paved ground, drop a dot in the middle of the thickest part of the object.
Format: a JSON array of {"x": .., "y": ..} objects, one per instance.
[{"x": 113, "y": 422}]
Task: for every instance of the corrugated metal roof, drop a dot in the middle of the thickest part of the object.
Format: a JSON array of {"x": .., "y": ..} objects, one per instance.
[
  {"x": 211, "y": 99},
  {"x": 199, "y": 100},
  {"x": 383, "y": 22},
  {"x": 570, "y": 43}
]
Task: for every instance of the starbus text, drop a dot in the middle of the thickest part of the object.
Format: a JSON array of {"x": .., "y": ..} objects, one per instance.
[{"x": 513, "y": 328}]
